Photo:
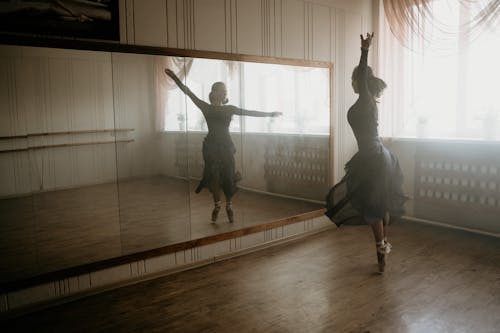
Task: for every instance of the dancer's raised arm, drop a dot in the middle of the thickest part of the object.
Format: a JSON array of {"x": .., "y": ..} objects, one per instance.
[
  {"x": 198, "y": 102},
  {"x": 362, "y": 79}
]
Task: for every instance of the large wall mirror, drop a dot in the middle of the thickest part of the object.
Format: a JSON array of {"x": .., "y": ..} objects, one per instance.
[{"x": 101, "y": 152}]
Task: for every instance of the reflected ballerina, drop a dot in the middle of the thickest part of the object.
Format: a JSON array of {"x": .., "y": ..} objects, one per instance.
[
  {"x": 219, "y": 172},
  {"x": 371, "y": 191}
]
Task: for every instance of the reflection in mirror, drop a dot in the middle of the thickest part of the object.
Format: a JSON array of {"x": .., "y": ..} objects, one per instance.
[
  {"x": 153, "y": 194},
  {"x": 17, "y": 218},
  {"x": 287, "y": 158},
  {"x": 77, "y": 207},
  {"x": 212, "y": 168},
  {"x": 102, "y": 153},
  {"x": 283, "y": 161},
  {"x": 60, "y": 103}
]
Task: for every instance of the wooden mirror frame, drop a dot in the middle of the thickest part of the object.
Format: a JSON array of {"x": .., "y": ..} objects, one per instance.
[{"x": 148, "y": 50}]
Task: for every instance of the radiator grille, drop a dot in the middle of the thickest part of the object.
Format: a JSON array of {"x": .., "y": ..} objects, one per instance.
[{"x": 458, "y": 184}]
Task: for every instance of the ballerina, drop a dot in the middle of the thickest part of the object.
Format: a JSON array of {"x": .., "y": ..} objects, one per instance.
[
  {"x": 219, "y": 171},
  {"x": 371, "y": 191}
]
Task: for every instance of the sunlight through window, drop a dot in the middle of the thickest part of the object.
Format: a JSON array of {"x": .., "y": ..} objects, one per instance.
[{"x": 445, "y": 86}]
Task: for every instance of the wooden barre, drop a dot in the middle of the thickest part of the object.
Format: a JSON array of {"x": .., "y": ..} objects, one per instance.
[
  {"x": 25, "y": 136},
  {"x": 65, "y": 145}
]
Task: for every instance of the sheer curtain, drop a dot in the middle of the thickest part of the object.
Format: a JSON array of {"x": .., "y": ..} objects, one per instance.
[
  {"x": 164, "y": 86},
  {"x": 441, "y": 69}
]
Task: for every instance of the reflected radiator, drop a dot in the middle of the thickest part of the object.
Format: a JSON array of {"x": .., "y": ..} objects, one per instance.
[
  {"x": 285, "y": 164},
  {"x": 297, "y": 166},
  {"x": 188, "y": 155}
]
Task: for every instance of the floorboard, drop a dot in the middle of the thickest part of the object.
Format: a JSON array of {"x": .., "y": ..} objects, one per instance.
[{"x": 437, "y": 280}]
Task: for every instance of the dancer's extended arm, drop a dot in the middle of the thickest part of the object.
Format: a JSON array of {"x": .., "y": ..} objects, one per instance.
[{"x": 251, "y": 113}]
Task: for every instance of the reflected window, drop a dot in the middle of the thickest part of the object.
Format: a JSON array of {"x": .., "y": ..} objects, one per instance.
[
  {"x": 301, "y": 93},
  {"x": 298, "y": 92}
]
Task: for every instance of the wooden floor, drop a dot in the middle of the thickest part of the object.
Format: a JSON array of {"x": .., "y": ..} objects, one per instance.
[
  {"x": 437, "y": 280},
  {"x": 54, "y": 230}
]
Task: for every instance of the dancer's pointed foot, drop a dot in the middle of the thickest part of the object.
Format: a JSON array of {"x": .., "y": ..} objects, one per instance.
[
  {"x": 381, "y": 262},
  {"x": 383, "y": 248},
  {"x": 215, "y": 212},
  {"x": 229, "y": 212},
  {"x": 388, "y": 247}
]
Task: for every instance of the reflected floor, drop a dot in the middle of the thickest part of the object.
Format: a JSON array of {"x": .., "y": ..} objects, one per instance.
[{"x": 60, "y": 229}]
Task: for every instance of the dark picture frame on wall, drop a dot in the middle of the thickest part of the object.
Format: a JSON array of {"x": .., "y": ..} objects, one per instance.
[{"x": 85, "y": 19}]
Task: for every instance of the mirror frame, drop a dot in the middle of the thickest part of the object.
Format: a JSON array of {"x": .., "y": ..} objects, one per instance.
[{"x": 184, "y": 245}]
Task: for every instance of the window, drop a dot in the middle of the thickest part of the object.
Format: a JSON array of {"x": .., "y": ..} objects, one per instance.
[{"x": 445, "y": 86}]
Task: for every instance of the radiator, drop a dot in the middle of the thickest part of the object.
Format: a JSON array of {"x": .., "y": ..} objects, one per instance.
[{"x": 458, "y": 183}]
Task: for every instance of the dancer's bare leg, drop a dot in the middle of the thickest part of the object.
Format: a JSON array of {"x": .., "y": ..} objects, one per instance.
[
  {"x": 215, "y": 187},
  {"x": 387, "y": 220},
  {"x": 378, "y": 233},
  {"x": 229, "y": 208}
]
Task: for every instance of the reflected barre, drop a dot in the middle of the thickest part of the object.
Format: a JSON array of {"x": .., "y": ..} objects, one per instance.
[
  {"x": 61, "y": 133},
  {"x": 64, "y": 145},
  {"x": 30, "y": 135}
]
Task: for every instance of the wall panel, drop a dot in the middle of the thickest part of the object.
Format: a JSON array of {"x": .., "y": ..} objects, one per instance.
[
  {"x": 172, "y": 40},
  {"x": 249, "y": 27},
  {"x": 150, "y": 22},
  {"x": 293, "y": 29},
  {"x": 209, "y": 25},
  {"x": 321, "y": 33}
]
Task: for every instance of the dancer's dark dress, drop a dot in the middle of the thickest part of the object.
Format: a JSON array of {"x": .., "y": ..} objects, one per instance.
[
  {"x": 373, "y": 180},
  {"x": 218, "y": 149}
]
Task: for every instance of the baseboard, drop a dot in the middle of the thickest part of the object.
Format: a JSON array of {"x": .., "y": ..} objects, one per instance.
[{"x": 450, "y": 226}]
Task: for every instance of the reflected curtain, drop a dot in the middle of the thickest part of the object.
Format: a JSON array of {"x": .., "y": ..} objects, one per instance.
[{"x": 181, "y": 67}]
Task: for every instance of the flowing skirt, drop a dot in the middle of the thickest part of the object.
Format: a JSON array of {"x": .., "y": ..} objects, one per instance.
[
  {"x": 371, "y": 187},
  {"x": 219, "y": 171}
]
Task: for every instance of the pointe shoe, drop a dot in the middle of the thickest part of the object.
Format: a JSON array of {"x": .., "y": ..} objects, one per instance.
[
  {"x": 381, "y": 262},
  {"x": 230, "y": 213},
  {"x": 215, "y": 212},
  {"x": 383, "y": 248},
  {"x": 388, "y": 247}
]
